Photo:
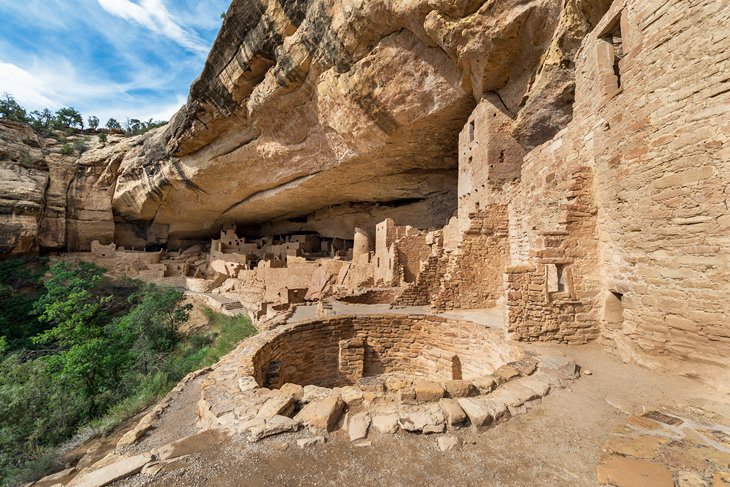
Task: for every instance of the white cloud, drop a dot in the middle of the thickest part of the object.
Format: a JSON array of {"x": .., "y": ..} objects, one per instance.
[
  {"x": 153, "y": 15},
  {"x": 27, "y": 89},
  {"x": 46, "y": 85}
]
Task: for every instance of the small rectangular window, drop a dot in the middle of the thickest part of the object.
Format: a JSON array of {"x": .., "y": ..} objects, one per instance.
[
  {"x": 471, "y": 131},
  {"x": 614, "y": 39}
]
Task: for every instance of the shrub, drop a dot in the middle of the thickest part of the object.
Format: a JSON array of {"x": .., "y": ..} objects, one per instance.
[
  {"x": 67, "y": 150},
  {"x": 103, "y": 138},
  {"x": 80, "y": 146}
]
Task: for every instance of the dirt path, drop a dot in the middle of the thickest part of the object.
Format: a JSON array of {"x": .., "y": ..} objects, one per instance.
[
  {"x": 556, "y": 444},
  {"x": 178, "y": 421}
]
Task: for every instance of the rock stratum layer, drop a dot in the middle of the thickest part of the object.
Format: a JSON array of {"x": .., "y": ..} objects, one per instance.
[{"x": 349, "y": 109}]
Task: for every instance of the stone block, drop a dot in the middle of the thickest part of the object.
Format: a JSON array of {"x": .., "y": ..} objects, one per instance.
[
  {"x": 386, "y": 423},
  {"x": 417, "y": 418},
  {"x": 294, "y": 390},
  {"x": 314, "y": 393},
  {"x": 506, "y": 373},
  {"x": 323, "y": 414},
  {"x": 454, "y": 414},
  {"x": 279, "y": 405},
  {"x": 310, "y": 442},
  {"x": 485, "y": 384},
  {"x": 460, "y": 388},
  {"x": 122, "y": 468},
  {"x": 275, "y": 426},
  {"x": 429, "y": 391},
  {"x": 358, "y": 425},
  {"x": 191, "y": 444}
]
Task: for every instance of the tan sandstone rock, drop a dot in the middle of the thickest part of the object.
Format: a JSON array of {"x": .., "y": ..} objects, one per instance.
[{"x": 323, "y": 414}]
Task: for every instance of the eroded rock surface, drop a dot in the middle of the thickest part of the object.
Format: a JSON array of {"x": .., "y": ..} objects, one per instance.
[{"x": 345, "y": 111}]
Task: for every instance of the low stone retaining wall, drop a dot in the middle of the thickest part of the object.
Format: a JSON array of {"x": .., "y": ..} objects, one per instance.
[{"x": 391, "y": 372}]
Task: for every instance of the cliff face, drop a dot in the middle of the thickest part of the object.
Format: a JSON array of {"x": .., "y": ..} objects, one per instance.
[{"x": 308, "y": 105}]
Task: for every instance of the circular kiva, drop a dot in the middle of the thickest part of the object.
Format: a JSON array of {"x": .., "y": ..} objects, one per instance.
[
  {"x": 343, "y": 350},
  {"x": 399, "y": 372}
]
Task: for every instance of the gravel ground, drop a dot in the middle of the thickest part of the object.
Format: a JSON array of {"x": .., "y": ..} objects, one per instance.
[
  {"x": 556, "y": 444},
  {"x": 178, "y": 421}
]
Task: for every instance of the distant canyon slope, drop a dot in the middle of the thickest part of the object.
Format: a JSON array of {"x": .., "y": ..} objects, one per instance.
[{"x": 310, "y": 115}]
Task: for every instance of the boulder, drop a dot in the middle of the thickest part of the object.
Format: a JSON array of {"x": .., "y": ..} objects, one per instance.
[
  {"x": 358, "y": 425},
  {"x": 274, "y": 426},
  {"x": 323, "y": 414},
  {"x": 386, "y": 423}
]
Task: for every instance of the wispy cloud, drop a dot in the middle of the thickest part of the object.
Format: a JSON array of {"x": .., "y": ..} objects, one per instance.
[
  {"x": 153, "y": 15},
  {"x": 109, "y": 58}
]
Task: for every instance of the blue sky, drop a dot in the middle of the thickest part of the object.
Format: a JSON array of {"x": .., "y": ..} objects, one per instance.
[{"x": 109, "y": 58}]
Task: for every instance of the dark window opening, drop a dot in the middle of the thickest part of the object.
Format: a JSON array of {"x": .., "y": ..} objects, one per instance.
[
  {"x": 560, "y": 268},
  {"x": 471, "y": 131},
  {"x": 456, "y": 373},
  {"x": 273, "y": 372}
]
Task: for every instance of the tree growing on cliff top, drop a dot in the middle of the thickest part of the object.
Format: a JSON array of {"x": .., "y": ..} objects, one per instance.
[
  {"x": 93, "y": 122},
  {"x": 68, "y": 117},
  {"x": 113, "y": 124},
  {"x": 11, "y": 110}
]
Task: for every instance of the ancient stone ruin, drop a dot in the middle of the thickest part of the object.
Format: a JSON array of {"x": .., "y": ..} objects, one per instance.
[{"x": 553, "y": 172}]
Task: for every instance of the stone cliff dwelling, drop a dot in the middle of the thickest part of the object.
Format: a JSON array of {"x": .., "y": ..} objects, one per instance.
[{"x": 605, "y": 225}]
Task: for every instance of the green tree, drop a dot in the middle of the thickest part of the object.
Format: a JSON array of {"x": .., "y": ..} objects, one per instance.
[
  {"x": 11, "y": 110},
  {"x": 113, "y": 124},
  {"x": 68, "y": 117},
  {"x": 41, "y": 121},
  {"x": 93, "y": 122},
  {"x": 151, "y": 328},
  {"x": 102, "y": 138},
  {"x": 85, "y": 358}
]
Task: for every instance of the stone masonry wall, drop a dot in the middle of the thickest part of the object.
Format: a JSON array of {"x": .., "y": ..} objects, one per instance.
[
  {"x": 663, "y": 183},
  {"x": 556, "y": 296},
  {"x": 473, "y": 277},
  {"x": 419, "y": 346},
  {"x": 652, "y": 123}
]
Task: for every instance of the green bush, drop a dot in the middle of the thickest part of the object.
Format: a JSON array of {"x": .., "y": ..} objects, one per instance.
[
  {"x": 81, "y": 351},
  {"x": 80, "y": 146},
  {"x": 67, "y": 150}
]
